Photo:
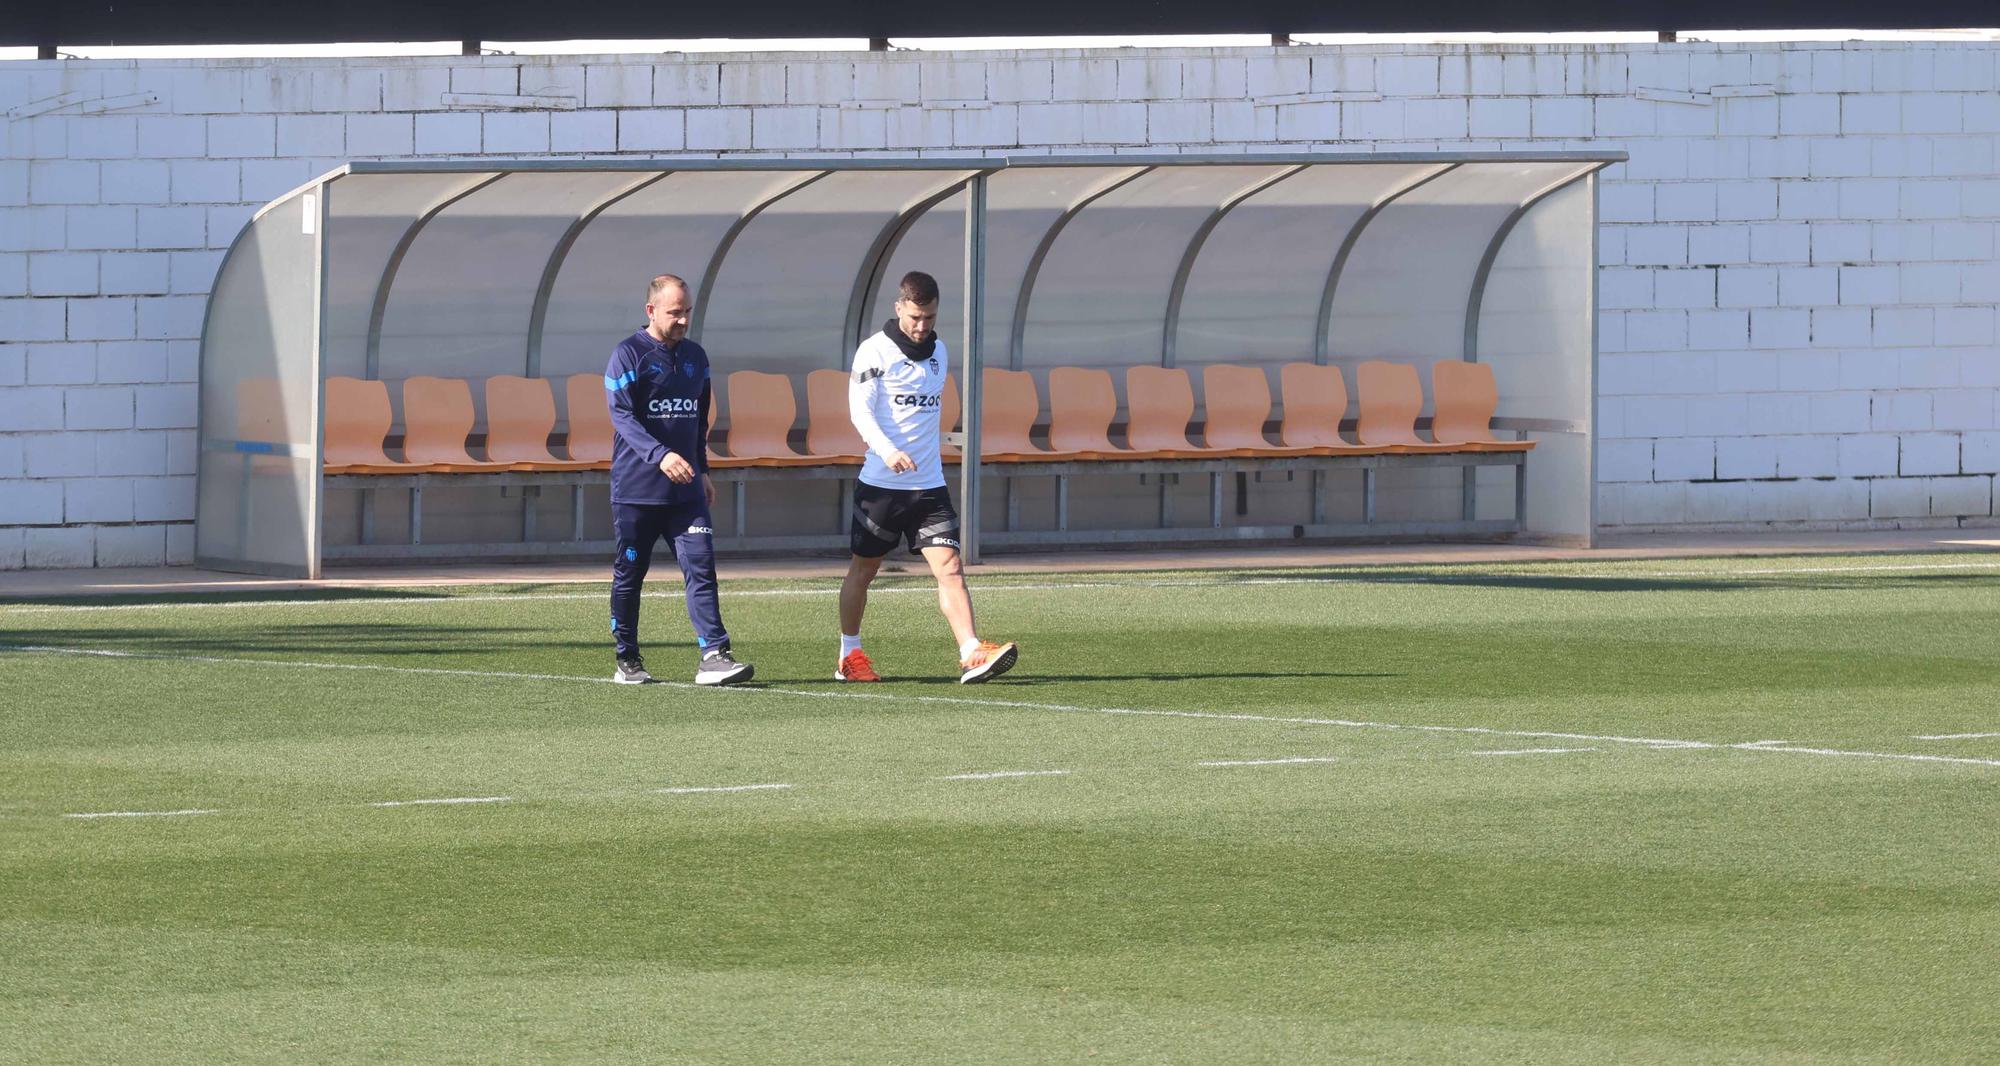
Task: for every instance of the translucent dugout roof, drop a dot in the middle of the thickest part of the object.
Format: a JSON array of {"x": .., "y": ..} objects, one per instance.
[{"x": 478, "y": 268}]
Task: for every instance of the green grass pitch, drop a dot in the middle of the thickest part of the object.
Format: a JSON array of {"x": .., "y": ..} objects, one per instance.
[{"x": 1685, "y": 811}]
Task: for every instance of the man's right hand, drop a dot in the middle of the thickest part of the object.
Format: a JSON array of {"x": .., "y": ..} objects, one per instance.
[
  {"x": 678, "y": 470},
  {"x": 900, "y": 462}
]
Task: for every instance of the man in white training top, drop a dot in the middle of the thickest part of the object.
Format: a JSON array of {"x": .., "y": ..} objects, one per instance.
[{"x": 894, "y": 397}]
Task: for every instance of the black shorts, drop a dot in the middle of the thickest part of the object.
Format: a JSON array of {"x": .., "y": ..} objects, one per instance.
[{"x": 923, "y": 517}]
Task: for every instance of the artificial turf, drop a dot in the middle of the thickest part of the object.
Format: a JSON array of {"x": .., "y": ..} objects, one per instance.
[{"x": 1418, "y": 898}]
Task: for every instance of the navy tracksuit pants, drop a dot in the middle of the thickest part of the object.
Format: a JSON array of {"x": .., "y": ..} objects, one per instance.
[{"x": 688, "y": 527}]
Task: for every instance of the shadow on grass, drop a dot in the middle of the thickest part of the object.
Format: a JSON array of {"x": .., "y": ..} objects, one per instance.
[
  {"x": 1016, "y": 680},
  {"x": 312, "y": 638}
]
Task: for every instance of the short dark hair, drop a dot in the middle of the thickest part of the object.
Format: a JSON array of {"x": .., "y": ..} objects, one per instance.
[
  {"x": 918, "y": 288},
  {"x": 660, "y": 282}
]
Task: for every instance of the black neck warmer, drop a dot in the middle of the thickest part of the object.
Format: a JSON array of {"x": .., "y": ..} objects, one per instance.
[{"x": 914, "y": 351}]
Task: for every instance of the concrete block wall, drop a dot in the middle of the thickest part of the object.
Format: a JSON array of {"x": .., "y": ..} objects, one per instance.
[{"x": 1799, "y": 261}]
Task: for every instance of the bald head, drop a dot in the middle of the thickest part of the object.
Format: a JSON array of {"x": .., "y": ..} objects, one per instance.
[{"x": 668, "y": 308}]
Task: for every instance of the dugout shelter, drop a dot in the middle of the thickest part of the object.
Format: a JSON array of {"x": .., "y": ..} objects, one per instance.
[{"x": 409, "y": 274}]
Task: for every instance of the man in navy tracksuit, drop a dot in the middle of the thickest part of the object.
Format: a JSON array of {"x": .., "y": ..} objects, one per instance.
[{"x": 658, "y": 388}]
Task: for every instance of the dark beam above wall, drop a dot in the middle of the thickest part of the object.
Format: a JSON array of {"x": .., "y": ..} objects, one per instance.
[{"x": 136, "y": 22}]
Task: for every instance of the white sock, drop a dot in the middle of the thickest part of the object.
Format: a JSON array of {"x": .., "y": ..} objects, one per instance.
[
  {"x": 849, "y": 645},
  {"x": 966, "y": 649}
]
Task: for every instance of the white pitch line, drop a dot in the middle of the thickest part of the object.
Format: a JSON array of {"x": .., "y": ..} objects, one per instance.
[
  {"x": 145, "y": 814},
  {"x": 1212, "y": 716},
  {"x": 1957, "y": 736},
  {"x": 717, "y": 788},
  {"x": 442, "y": 802},
  {"x": 303, "y": 664},
  {"x": 1784, "y": 747},
  {"x": 989, "y": 776},
  {"x": 985, "y": 589},
  {"x": 1535, "y": 751},
  {"x": 1766, "y": 571},
  {"x": 1268, "y": 762},
  {"x": 407, "y": 601}
]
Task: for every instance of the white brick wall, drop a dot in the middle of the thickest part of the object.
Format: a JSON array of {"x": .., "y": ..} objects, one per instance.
[{"x": 1798, "y": 288}]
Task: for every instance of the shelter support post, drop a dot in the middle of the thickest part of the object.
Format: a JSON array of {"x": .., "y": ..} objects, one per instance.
[
  {"x": 728, "y": 240},
  {"x": 1368, "y": 494},
  {"x": 1521, "y": 497},
  {"x": 1323, "y": 331},
  {"x": 975, "y": 342},
  {"x": 1016, "y": 335},
  {"x": 379, "y": 308}
]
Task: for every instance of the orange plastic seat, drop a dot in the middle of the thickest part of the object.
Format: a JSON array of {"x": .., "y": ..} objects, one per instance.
[
  {"x": 1082, "y": 404},
  {"x": 830, "y": 433},
  {"x": 1008, "y": 406},
  {"x": 761, "y": 412},
  {"x": 708, "y": 432},
  {"x": 1465, "y": 397},
  {"x": 1159, "y": 404},
  {"x": 590, "y": 429},
  {"x": 950, "y": 406},
  {"x": 437, "y": 418},
  {"x": 520, "y": 414},
  {"x": 355, "y": 423},
  {"x": 1315, "y": 402},
  {"x": 1237, "y": 400},
  {"x": 1391, "y": 397}
]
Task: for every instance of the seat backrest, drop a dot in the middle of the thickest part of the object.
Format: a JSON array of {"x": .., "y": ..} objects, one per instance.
[
  {"x": 437, "y": 417},
  {"x": 520, "y": 414},
  {"x": 761, "y": 412},
  {"x": 950, "y": 406},
  {"x": 1159, "y": 404},
  {"x": 589, "y": 418},
  {"x": 829, "y": 424},
  {"x": 1082, "y": 404},
  {"x": 1236, "y": 401},
  {"x": 709, "y": 431},
  {"x": 1466, "y": 396},
  {"x": 1391, "y": 397},
  {"x": 1008, "y": 405},
  {"x": 356, "y": 421},
  {"x": 1315, "y": 402}
]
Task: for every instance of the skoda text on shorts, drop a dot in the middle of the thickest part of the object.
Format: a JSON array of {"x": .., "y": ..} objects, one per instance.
[
  {"x": 657, "y": 385},
  {"x": 894, "y": 396}
]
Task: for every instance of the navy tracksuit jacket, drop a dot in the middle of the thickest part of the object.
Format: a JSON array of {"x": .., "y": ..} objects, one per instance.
[{"x": 659, "y": 398}]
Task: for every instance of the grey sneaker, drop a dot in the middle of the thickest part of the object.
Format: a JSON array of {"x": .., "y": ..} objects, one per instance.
[
  {"x": 631, "y": 672},
  {"x": 717, "y": 668}
]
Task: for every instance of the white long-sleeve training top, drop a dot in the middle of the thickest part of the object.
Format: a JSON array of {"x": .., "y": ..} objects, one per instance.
[{"x": 895, "y": 403}]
